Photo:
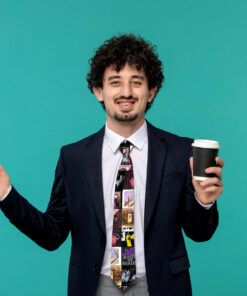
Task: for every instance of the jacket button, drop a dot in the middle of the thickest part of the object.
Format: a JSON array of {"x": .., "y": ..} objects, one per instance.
[{"x": 96, "y": 269}]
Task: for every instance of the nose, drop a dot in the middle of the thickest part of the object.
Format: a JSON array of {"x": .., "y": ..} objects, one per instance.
[{"x": 126, "y": 90}]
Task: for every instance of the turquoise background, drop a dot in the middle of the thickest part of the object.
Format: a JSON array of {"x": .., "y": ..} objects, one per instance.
[{"x": 45, "y": 103}]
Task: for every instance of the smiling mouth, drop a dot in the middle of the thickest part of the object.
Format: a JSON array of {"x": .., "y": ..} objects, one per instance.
[{"x": 126, "y": 105}]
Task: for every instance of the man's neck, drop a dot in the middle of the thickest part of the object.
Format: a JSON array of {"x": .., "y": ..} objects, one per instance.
[{"x": 125, "y": 129}]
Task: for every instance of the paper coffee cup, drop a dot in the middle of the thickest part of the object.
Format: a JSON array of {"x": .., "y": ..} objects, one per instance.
[{"x": 204, "y": 153}]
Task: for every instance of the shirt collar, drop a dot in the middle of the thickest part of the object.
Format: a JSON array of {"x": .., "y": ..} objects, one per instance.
[{"x": 137, "y": 139}]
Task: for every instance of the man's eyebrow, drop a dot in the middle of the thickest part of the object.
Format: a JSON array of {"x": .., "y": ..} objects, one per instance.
[
  {"x": 138, "y": 77},
  {"x": 113, "y": 77}
]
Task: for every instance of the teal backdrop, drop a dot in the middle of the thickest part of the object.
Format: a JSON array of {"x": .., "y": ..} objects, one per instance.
[{"x": 45, "y": 103}]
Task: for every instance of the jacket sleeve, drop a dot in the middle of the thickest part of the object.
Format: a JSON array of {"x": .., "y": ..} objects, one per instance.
[
  {"x": 49, "y": 229},
  {"x": 198, "y": 223}
]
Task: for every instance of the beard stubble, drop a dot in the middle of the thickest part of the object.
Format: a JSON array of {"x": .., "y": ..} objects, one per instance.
[{"x": 126, "y": 117}]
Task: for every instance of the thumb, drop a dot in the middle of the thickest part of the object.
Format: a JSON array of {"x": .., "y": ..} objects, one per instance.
[
  {"x": 191, "y": 165},
  {"x": 2, "y": 170}
]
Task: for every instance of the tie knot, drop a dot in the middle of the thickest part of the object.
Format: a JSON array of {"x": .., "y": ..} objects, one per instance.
[{"x": 125, "y": 146}]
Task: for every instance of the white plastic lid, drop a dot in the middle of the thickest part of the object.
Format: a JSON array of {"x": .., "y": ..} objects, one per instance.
[{"x": 206, "y": 144}]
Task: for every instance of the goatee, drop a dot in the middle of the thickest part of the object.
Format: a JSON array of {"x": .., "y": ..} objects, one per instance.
[{"x": 125, "y": 118}]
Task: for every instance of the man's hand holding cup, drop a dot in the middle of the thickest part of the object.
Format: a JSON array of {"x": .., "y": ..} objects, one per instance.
[{"x": 206, "y": 168}]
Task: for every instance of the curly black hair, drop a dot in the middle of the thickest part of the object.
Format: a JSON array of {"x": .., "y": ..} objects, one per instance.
[{"x": 126, "y": 49}]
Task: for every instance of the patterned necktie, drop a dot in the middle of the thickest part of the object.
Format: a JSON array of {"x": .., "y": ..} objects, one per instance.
[{"x": 123, "y": 267}]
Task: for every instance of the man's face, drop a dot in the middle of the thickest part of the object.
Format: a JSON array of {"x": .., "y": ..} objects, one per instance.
[{"x": 125, "y": 94}]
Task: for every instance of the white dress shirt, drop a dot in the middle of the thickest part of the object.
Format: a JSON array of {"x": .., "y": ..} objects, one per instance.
[{"x": 111, "y": 158}]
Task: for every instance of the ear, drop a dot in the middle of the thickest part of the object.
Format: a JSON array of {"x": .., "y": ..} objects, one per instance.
[
  {"x": 151, "y": 93},
  {"x": 98, "y": 93}
]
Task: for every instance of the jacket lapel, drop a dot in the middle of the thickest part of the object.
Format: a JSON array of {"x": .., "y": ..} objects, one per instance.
[
  {"x": 157, "y": 152},
  {"x": 93, "y": 164}
]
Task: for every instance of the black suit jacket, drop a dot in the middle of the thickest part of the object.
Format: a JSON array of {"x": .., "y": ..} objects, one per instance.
[{"x": 77, "y": 205}]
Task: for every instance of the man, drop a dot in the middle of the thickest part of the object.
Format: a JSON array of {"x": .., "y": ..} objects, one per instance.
[{"x": 128, "y": 156}]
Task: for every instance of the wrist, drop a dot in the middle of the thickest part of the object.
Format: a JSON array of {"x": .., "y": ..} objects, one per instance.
[
  {"x": 5, "y": 192},
  {"x": 203, "y": 201}
]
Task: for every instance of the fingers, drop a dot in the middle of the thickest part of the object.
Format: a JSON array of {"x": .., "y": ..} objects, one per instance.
[
  {"x": 211, "y": 181},
  {"x": 212, "y": 185},
  {"x": 213, "y": 189},
  {"x": 220, "y": 161},
  {"x": 214, "y": 170},
  {"x": 1, "y": 169},
  {"x": 191, "y": 164}
]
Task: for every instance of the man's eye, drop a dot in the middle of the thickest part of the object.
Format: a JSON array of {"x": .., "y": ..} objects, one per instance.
[
  {"x": 115, "y": 82},
  {"x": 137, "y": 82}
]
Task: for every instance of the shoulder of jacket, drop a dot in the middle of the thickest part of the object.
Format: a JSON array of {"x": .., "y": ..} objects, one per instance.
[
  {"x": 171, "y": 137},
  {"x": 81, "y": 144}
]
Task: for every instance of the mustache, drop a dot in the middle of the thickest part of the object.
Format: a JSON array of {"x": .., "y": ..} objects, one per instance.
[{"x": 125, "y": 98}]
